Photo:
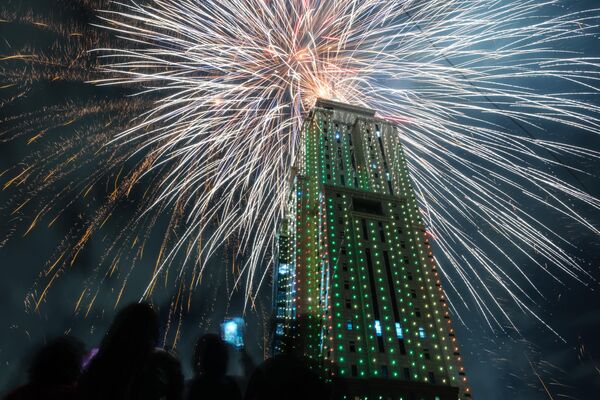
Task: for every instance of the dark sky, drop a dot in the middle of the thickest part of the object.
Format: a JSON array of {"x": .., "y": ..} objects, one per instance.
[{"x": 498, "y": 365}]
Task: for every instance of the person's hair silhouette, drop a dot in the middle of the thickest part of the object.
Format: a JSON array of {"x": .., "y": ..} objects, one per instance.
[
  {"x": 53, "y": 372},
  {"x": 210, "y": 362},
  {"x": 117, "y": 371},
  {"x": 162, "y": 377}
]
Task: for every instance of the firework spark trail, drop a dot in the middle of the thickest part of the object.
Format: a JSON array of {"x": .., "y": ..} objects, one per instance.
[
  {"x": 66, "y": 138},
  {"x": 236, "y": 77},
  {"x": 464, "y": 80}
]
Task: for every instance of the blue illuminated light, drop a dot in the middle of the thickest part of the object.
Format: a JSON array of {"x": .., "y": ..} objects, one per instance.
[
  {"x": 377, "y": 328},
  {"x": 284, "y": 269},
  {"x": 399, "y": 332},
  {"x": 232, "y": 332},
  {"x": 422, "y": 333},
  {"x": 349, "y": 325}
]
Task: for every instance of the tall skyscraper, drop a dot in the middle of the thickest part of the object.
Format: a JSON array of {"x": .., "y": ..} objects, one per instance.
[{"x": 356, "y": 287}]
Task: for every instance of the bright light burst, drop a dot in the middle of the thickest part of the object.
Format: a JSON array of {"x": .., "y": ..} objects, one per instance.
[{"x": 475, "y": 87}]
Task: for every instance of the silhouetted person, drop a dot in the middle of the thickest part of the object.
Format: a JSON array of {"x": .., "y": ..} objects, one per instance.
[
  {"x": 210, "y": 362},
  {"x": 53, "y": 372},
  {"x": 285, "y": 377},
  {"x": 162, "y": 377},
  {"x": 127, "y": 363}
]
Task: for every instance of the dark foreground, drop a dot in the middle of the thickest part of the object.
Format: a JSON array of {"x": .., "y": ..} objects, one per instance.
[{"x": 129, "y": 365}]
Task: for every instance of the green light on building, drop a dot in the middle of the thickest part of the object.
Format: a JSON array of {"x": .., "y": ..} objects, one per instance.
[{"x": 356, "y": 287}]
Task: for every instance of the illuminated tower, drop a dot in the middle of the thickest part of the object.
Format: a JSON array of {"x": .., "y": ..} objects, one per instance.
[{"x": 356, "y": 287}]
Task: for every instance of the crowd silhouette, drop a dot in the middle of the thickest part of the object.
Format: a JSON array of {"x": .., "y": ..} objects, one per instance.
[{"x": 130, "y": 365}]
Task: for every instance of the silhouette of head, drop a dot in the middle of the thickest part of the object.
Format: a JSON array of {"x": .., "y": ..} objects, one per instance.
[
  {"x": 162, "y": 377},
  {"x": 134, "y": 331},
  {"x": 116, "y": 371},
  {"x": 58, "y": 362},
  {"x": 210, "y": 356}
]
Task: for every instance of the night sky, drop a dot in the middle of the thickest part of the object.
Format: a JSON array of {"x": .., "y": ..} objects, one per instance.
[{"x": 499, "y": 365}]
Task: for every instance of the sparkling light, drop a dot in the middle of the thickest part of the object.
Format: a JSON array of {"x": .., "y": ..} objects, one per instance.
[
  {"x": 459, "y": 77},
  {"x": 472, "y": 84}
]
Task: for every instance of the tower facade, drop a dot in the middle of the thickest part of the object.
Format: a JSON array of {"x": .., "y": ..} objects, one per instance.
[{"x": 356, "y": 287}]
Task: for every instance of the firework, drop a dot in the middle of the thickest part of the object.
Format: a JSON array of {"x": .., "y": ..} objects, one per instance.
[{"x": 470, "y": 84}]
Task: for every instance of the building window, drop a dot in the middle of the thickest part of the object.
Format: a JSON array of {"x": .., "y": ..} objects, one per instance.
[
  {"x": 364, "y": 229},
  {"x": 348, "y": 303},
  {"x": 422, "y": 333},
  {"x": 349, "y": 325},
  {"x": 381, "y": 232},
  {"x": 378, "y": 331},
  {"x": 399, "y": 333},
  {"x": 352, "y": 347},
  {"x": 354, "y": 370},
  {"x": 402, "y": 347},
  {"x": 431, "y": 377},
  {"x": 384, "y": 371},
  {"x": 380, "y": 344},
  {"x": 367, "y": 206}
]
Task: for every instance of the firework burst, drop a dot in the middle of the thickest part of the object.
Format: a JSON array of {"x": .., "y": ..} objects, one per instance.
[{"x": 470, "y": 83}]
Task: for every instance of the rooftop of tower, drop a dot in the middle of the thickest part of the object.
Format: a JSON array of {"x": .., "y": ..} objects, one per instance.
[{"x": 324, "y": 103}]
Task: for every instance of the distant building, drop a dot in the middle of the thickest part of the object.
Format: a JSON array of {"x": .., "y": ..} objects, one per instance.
[{"x": 356, "y": 287}]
